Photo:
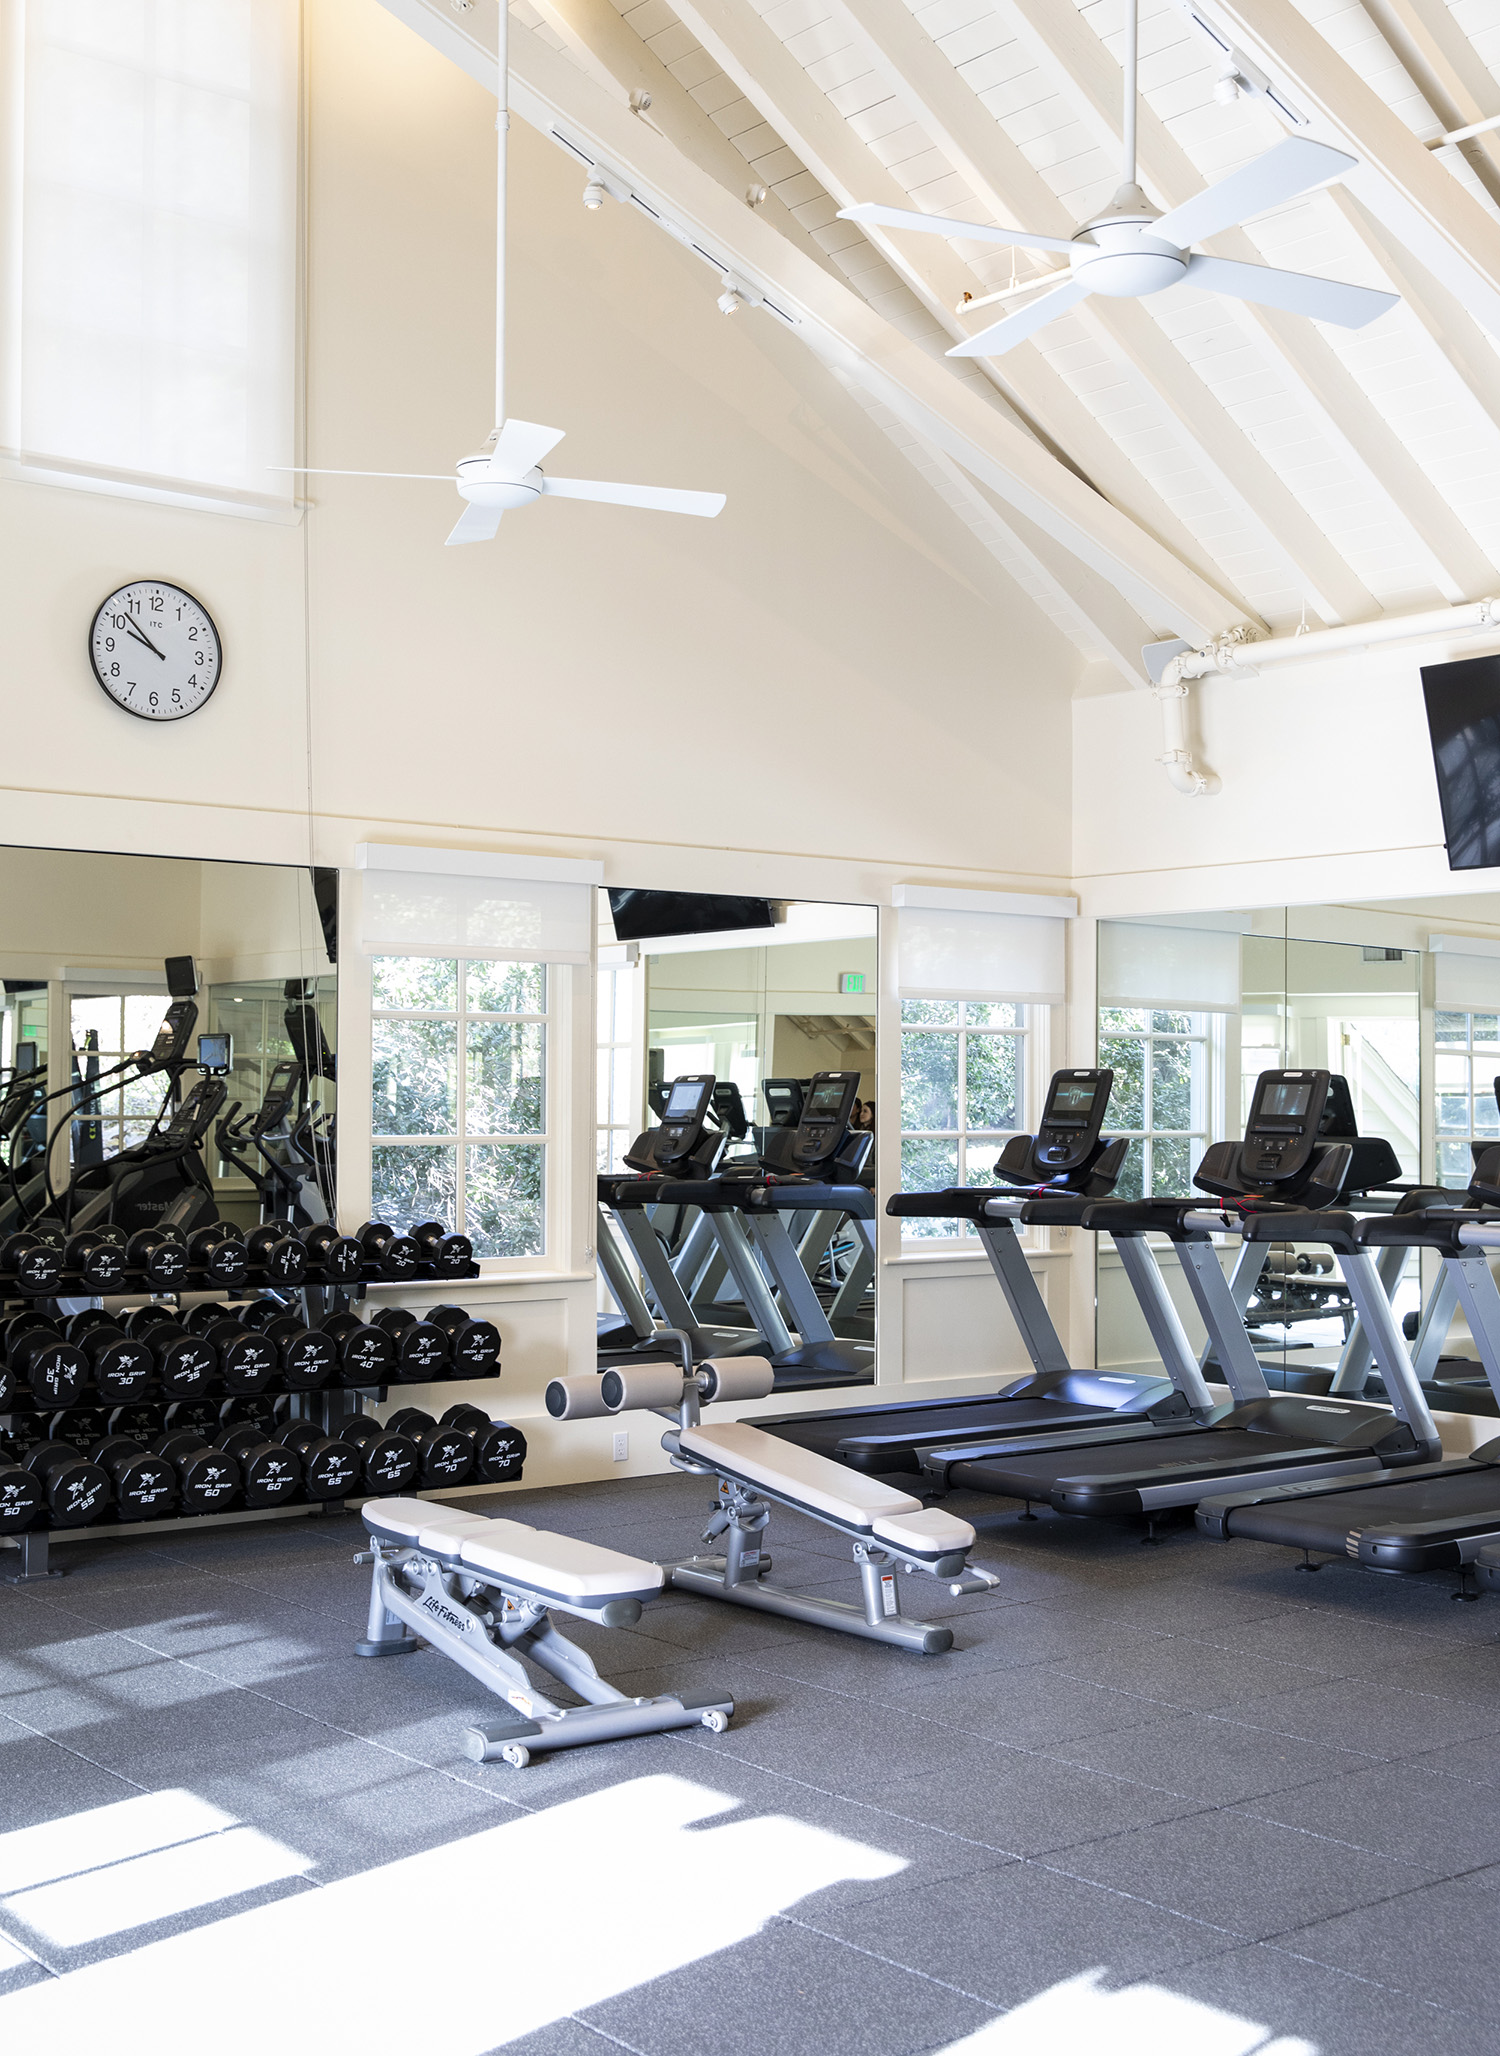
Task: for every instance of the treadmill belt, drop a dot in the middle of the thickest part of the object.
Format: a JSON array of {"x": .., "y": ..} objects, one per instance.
[
  {"x": 1323, "y": 1523},
  {"x": 881, "y": 1439},
  {"x": 1033, "y": 1477}
]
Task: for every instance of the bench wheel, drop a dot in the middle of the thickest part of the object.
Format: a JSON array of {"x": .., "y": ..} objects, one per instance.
[
  {"x": 716, "y": 1722},
  {"x": 516, "y": 1754}
]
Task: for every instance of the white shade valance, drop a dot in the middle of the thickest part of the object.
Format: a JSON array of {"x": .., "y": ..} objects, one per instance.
[
  {"x": 1189, "y": 970},
  {"x": 1466, "y": 971},
  {"x": 475, "y": 903},
  {"x": 965, "y": 955}
]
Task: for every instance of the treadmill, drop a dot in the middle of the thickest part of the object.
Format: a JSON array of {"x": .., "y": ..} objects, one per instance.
[
  {"x": 1438, "y": 1515},
  {"x": 1275, "y": 1184},
  {"x": 1069, "y": 1164}
]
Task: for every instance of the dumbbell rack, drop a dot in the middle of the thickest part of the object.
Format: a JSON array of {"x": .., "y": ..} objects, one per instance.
[{"x": 316, "y": 1299}]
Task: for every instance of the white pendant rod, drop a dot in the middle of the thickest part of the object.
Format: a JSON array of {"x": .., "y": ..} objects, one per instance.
[
  {"x": 502, "y": 139},
  {"x": 1127, "y": 125}
]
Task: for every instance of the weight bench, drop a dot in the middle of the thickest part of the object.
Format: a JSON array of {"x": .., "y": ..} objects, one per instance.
[
  {"x": 482, "y": 1592},
  {"x": 888, "y": 1530}
]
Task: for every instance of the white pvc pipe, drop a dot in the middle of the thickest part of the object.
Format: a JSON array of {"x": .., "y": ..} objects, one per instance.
[
  {"x": 502, "y": 141},
  {"x": 1232, "y": 652}
]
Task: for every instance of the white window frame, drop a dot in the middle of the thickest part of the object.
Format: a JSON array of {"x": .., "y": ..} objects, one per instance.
[
  {"x": 1213, "y": 1038},
  {"x": 552, "y": 1139},
  {"x": 1030, "y": 1033},
  {"x": 618, "y": 1119},
  {"x": 1487, "y": 1054}
]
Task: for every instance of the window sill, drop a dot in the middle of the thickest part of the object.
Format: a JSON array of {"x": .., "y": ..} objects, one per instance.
[{"x": 30, "y": 468}]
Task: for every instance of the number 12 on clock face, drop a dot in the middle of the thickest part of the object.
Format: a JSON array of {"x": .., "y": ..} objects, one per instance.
[{"x": 155, "y": 650}]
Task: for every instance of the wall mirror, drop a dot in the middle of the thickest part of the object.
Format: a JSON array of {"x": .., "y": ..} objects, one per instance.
[
  {"x": 763, "y": 1013},
  {"x": 226, "y": 973},
  {"x": 1400, "y": 998}
]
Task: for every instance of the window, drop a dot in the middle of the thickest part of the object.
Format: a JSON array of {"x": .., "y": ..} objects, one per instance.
[
  {"x": 459, "y": 1103},
  {"x": 151, "y": 246},
  {"x": 963, "y": 1091},
  {"x": 1466, "y": 1064},
  {"x": 104, "y": 1029},
  {"x": 618, "y": 1113},
  {"x": 1161, "y": 1095}
]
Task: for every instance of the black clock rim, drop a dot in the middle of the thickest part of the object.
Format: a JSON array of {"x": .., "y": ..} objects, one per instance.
[{"x": 172, "y": 586}]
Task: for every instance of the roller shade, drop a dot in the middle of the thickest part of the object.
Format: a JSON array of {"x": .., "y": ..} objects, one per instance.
[
  {"x": 475, "y": 903},
  {"x": 960, "y": 950},
  {"x": 1466, "y": 972},
  {"x": 1190, "y": 970}
]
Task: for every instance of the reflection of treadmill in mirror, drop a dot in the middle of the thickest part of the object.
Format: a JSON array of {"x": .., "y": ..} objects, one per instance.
[{"x": 1065, "y": 1167}]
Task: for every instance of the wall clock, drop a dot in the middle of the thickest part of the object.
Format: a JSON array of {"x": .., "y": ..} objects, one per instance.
[{"x": 155, "y": 650}]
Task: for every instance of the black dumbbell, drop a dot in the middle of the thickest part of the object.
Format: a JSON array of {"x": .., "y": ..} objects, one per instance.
[
  {"x": 308, "y": 1356},
  {"x": 276, "y": 1254},
  {"x": 141, "y": 1423},
  {"x": 79, "y": 1424},
  {"x": 219, "y": 1252},
  {"x": 161, "y": 1254},
  {"x": 34, "y": 1260},
  {"x": 201, "y": 1415},
  {"x": 449, "y": 1255},
  {"x": 447, "y": 1453},
  {"x": 54, "y": 1371},
  {"x": 77, "y": 1491},
  {"x": 389, "y": 1460},
  {"x": 21, "y": 1496},
  {"x": 473, "y": 1345},
  {"x": 330, "y": 1466},
  {"x": 7, "y": 1387},
  {"x": 367, "y": 1355},
  {"x": 258, "y": 1412},
  {"x": 499, "y": 1449},
  {"x": 98, "y": 1256},
  {"x": 145, "y": 1484},
  {"x": 272, "y": 1471},
  {"x": 186, "y": 1365},
  {"x": 122, "y": 1366},
  {"x": 338, "y": 1257},
  {"x": 247, "y": 1361},
  {"x": 388, "y": 1254},
  {"x": 421, "y": 1349},
  {"x": 208, "y": 1479}
]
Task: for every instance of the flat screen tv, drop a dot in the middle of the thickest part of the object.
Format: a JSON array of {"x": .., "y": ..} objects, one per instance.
[
  {"x": 638, "y": 916},
  {"x": 1463, "y": 717}
]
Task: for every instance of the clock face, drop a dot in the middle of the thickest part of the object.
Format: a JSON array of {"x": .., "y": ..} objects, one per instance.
[{"x": 155, "y": 650}]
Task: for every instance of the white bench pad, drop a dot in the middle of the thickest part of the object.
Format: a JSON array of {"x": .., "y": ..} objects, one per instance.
[
  {"x": 814, "y": 1481},
  {"x": 928, "y": 1533},
  {"x": 558, "y": 1565},
  {"x": 415, "y": 1524}
]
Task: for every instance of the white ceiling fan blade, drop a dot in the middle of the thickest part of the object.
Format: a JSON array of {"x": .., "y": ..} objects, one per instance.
[
  {"x": 939, "y": 225},
  {"x": 1292, "y": 167},
  {"x": 1001, "y": 336},
  {"x": 662, "y": 499},
  {"x": 522, "y": 444},
  {"x": 1297, "y": 292},
  {"x": 476, "y": 525},
  {"x": 324, "y": 471}
]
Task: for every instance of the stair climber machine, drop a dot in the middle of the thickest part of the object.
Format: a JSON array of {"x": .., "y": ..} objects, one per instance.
[
  {"x": 1067, "y": 1164},
  {"x": 1273, "y": 1185},
  {"x": 889, "y": 1531},
  {"x": 289, "y": 1180},
  {"x": 162, "y": 1176},
  {"x": 808, "y": 1170},
  {"x": 1439, "y": 1514}
]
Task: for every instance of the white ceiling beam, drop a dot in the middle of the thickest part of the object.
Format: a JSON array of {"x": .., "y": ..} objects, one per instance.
[
  {"x": 1016, "y": 194},
  {"x": 557, "y": 98},
  {"x": 1448, "y": 72},
  {"x": 1399, "y": 179},
  {"x": 1348, "y": 417}
]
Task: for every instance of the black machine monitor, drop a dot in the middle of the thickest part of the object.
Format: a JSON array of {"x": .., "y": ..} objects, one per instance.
[
  {"x": 1072, "y": 1117},
  {"x": 304, "y": 1031},
  {"x": 1463, "y": 721},
  {"x": 783, "y": 1097},
  {"x": 182, "y": 977},
  {"x": 826, "y": 1107},
  {"x": 1282, "y": 1131},
  {"x": 215, "y": 1052},
  {"x": 729, "y": 1109},
  {"x": 639, "y": 916},
  {"x": 686, "y": 1099},
  {"x": 178, "y": 1023},
  {"x": 25, "y": 1058},
  {"x": 684, "y": 1110}
]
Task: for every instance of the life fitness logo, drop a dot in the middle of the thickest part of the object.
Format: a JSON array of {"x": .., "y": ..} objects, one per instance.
[{"x": 462, "y": 1621}]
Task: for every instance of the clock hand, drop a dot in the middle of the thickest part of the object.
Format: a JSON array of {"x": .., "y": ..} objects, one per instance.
[{"x": 131, "y": 629}]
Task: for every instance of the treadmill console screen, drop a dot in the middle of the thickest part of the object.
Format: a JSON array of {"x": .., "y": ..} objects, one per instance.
[
  {"x": 1285, "y": 1098},
  {"x": 685, "y": 1099},
  {"x": 1071, "y": 1119},
  {"x": 1282, "y": 1131},
  {"x": 825, "y": 1099}
]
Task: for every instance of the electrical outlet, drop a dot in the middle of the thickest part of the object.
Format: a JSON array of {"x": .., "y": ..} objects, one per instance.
[{"x": 622, "y": 1445}]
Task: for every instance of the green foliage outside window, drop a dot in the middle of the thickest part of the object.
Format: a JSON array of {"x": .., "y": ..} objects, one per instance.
[{"x": 962, "y": 1095}]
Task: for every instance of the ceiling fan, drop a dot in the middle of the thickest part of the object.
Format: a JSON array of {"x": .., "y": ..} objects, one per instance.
[
  {"x": 1131, "y": 250},
  {"x": 507, "y": 475}
]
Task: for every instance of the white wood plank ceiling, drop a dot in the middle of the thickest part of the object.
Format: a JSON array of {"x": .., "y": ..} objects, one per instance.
[{"x": 1302, "y": 472}]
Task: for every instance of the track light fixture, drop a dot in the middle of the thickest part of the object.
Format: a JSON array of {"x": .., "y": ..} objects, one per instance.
[{"x": 593, "y": 195}]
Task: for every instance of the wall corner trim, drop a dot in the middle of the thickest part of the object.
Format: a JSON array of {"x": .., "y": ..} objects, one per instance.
[
  {"x": 953, "y": 899},
  {"x": 459, "y": 863},
  {"x": 1464, "y": 945}
]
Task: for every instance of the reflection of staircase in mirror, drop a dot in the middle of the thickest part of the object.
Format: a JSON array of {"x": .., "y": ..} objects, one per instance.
[
  {"x": 847, "y": 1032},
  {"x": 1385, "y": 1103}
]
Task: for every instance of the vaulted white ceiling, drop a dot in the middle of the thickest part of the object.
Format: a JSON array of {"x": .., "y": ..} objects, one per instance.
[{"x": 1214, "y": 463}]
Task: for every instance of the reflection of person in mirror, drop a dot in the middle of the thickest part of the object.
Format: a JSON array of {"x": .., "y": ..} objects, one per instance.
[{"x": 864, "y": 1114}]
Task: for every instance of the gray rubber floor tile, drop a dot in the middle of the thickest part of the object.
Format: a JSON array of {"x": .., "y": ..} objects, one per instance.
[
  {"x": 838, "y": 1743},
  {"x": 1027, "y": 1804},
  {"x": 59, "y": 1959},
  {"x": 1471, "y": 1672},
  {"x": 568, "y": 2037},
  {"x": 1339, "y": 2014},
  {"x": 1214, "y": 1759},
  {"x": 703, "y": 1625},
  {"x": 1400, "y": 1809},
  {"x": 18, "y": 1970},
  {"x": 1253, "y": 1876},
  {"x": 846, "y": 1663},
  {"x": 795, "y": 1991},
  {"x": 1179, "y": 1672},
  {"x": 1009, "y": 1933},
  {"x": 1390, "y": 1723},
  {"x": 1034, "y": 1708},
  {"x": 1475, "y": 1762},
  {"x": 40, "y": 1779},
  {"x": 1320, "y": 1638},
  {"x": 1437, "y": 1944}
]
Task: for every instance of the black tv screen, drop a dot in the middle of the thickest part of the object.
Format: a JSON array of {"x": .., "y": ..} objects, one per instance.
[
  {"x": 638, "y": 916},
  {"x": 1463, "y": 717}
]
